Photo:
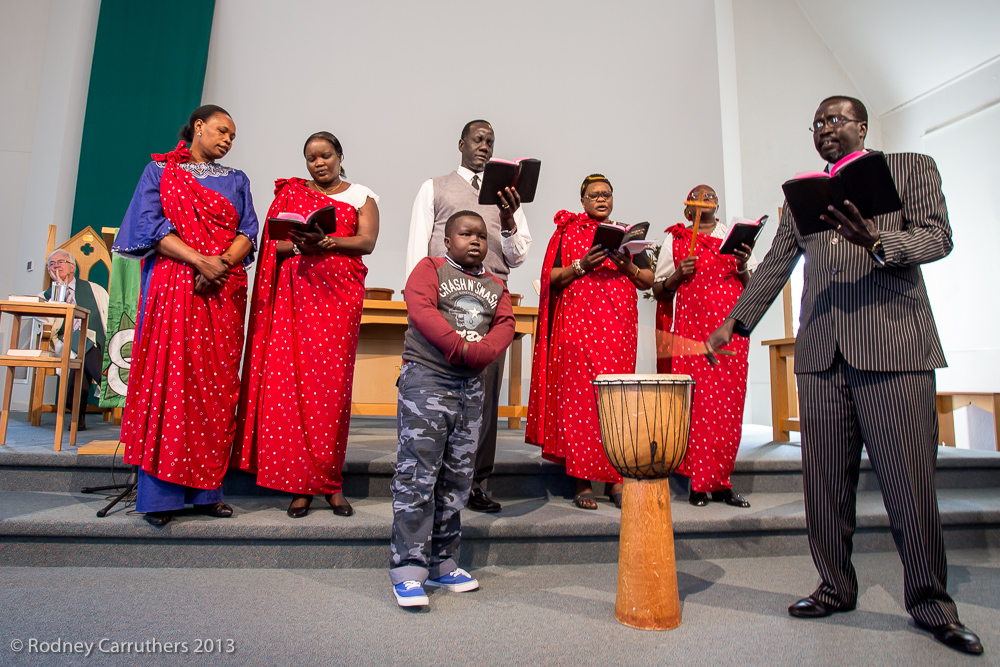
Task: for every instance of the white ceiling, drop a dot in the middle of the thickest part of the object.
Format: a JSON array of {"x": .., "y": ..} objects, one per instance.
[{"x": 897, "y": 50}]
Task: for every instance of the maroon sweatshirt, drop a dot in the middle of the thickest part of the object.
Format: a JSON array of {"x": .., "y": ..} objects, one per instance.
[{"x": 448, "y": 307}]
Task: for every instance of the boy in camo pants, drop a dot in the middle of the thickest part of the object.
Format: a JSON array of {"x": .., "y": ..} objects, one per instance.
[{"x": 460, "y": 321}]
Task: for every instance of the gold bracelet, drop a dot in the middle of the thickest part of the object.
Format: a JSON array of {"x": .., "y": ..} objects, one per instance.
[{"x": 637, "y": 269}]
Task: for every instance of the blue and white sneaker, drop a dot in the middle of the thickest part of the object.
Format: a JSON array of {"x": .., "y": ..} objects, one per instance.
[
  {"x": 457, "y": 581},
  {"x": 410, "y": 594}
]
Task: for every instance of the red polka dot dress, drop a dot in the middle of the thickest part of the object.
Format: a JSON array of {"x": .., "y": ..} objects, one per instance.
[
  {"x": 702, "y": 303},
  {"x": 295, "y": 409},
  {"x": 184, "y": 381},
  {"x": 588, "y": 329}
]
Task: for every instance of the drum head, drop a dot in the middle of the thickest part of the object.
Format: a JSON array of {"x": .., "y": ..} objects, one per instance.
[{"x": 645, "y": 379}]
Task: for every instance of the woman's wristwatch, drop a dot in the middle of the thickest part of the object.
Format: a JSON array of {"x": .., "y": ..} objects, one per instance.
[
  {"x": 578, "y": 267},
  {"x": 295, "y": 250}
]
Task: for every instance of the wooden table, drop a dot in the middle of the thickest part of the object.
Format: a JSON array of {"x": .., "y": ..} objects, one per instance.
[
  {"x": 949, "y": 401},
  {"x": 69, "y": 313},
  {"x": 380, "y": 350}
]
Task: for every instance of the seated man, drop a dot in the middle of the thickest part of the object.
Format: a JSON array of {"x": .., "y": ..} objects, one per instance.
[{"x": 62, "y": 269}]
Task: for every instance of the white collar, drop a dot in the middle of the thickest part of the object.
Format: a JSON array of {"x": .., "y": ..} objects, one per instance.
[{"x": 467, "y": 173}]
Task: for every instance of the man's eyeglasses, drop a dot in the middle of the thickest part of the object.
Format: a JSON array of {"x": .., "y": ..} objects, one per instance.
[
  {"x": 597, "y": 196},
  {"x": 58, "y": 262},
  {"x": 833, "y": 121}
]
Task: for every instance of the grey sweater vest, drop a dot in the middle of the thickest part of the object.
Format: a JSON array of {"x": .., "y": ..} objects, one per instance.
[{"x": 452, "y": 194}]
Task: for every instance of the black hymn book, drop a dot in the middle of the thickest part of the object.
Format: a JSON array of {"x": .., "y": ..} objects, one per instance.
[
  {"x": 522, "y": 175},
  {"x": 280, "y": 225},
  {"x": 742, "y": 230},
  {"x": 615, "y": 237},
  {"x": 862, "y": 178}
]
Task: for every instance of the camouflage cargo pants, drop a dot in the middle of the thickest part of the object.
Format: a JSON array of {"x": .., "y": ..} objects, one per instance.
[{"x": 438, "y": 420}]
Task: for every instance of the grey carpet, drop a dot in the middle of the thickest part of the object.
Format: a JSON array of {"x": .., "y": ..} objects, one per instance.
[{"x": 733, "y": 614}]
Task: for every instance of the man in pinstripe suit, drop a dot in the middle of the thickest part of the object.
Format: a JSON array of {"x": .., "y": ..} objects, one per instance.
[{"x": 865, "y": 356}]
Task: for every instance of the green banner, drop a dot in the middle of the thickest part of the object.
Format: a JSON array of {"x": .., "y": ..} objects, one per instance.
[
  {"x": 146, "y": 78},
  {"x": 122, "y": 314}
]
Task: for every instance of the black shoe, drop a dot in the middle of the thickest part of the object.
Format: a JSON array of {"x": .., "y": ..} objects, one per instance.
[
  {"x": 480, "y": 502},
  {"x": 727, "y": 496},
  {"x": 157, "y": 518},
  {"x": 340, "y": 510},
  {"x": 956, "y": 636},
  {"x": 218, "y": 510},
  {"x": 299, "y": 512},
  {"x": 810, "y": 607},
  {"x": 698, "y": 499}
]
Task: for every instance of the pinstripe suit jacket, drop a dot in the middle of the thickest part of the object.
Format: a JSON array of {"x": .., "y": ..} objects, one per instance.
[{"x": 879, "y": 316}]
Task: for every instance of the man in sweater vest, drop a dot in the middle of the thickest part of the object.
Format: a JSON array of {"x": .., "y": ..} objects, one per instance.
[{"x": 438, "y": 199}]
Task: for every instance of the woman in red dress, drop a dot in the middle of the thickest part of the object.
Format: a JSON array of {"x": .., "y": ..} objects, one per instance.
[
  {"x": 587, "y": 326},
  {"x": 295, "y": 408},
  {"x": 704, "y": 287},
  {"x": 192, "y": 223}
]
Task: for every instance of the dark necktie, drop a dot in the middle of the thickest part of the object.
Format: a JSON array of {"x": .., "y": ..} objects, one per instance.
[{"x": 475, "y": 182}]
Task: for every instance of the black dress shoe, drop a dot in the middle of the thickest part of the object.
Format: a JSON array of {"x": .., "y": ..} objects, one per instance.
[
  {"x": 698, "y": 499},
  {"x": 218, "y": 510},
  {"x": 299, "y": 512},
  {"x": 340, "y": 510},
  {"x": 727, "y": 496},
  {"x": 956, "y": 636},
  {"x": 157, "y": 518},
  {"x": 480, "y": 502},
  {"x": 810, "y": 607}
]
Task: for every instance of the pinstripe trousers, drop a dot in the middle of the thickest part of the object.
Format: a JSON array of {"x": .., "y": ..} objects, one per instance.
[{"x": 894, "y": 415}]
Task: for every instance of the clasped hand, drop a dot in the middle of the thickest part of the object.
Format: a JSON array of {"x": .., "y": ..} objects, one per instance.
[
  {"x": 213, "y": 272},
  {"x": 852, "y": 227}
]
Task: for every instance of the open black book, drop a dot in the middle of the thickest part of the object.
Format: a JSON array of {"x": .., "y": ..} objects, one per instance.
[
  {"x": 522, "y": 175},
  {"x": 742, "y": 230},
  {"x": 629, "y": 239},
  {"x": 863, "y": 179},
  {"x": 324, "y": 218}
]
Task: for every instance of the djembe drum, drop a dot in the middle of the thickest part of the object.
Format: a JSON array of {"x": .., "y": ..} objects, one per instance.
[{"x": 645, "y": 424}]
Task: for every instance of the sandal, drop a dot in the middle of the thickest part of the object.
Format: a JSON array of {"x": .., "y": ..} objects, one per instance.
[
  {"x": 585, "y": 500},
  {"x": 614, "y": 496}
]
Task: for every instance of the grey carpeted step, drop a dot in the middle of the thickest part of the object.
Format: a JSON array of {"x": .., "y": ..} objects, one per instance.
[
  {"x": 520, "y": 472},
  {"x": 61, "y": 529}
]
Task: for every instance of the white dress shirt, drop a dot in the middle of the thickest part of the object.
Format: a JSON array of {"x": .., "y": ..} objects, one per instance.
[{"x": 515, "y": 247}]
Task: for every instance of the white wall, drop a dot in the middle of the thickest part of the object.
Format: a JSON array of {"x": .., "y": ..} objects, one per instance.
[
  {"x": 961, "y": 286},
  {"x": 627, "y": 89},
  {"x": 46, "y": 47},
  {"x": 783, "y": 71}
]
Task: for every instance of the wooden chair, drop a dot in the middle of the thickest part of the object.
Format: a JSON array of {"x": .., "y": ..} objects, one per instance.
[
  {"x": 21, "y": 358},
  {"x": 88, "y": 249}
]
